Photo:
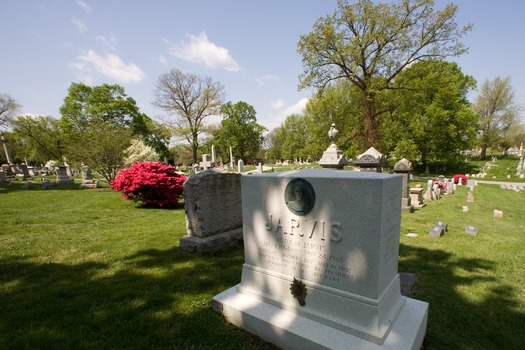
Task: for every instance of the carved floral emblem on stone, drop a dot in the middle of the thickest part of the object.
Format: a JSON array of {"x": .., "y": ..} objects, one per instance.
[{"x": 298, "y": 290}]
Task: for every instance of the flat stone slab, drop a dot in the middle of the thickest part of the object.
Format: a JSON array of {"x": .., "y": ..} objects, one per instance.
[{"x": 291, "y": 331}]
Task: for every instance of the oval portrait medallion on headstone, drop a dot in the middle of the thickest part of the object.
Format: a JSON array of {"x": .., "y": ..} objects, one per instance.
[{"x": 299, "y": 196}]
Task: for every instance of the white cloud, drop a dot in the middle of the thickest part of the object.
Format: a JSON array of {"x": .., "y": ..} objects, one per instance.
[
  {"x": 84, "y": 6},
  {"x": 200, "y": 49},
  {"x": 297, "y": 108},
  {"x": 108, "y": 41},
  {"x": 110, "y": 65},
  {"x": 282, "y": 111},
  {"x": 81, "y": 26},
  {"x": 162, "y": 60},
  {"x": 269, "y": 77},
  {"x": 278, "y": 104}
]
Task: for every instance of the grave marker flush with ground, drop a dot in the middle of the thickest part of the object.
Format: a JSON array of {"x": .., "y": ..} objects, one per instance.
[{"x": 320, "y": 271}]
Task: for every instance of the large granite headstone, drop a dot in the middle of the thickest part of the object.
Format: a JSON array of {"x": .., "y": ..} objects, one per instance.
[
  {"x": 212, "y": 204},
  {"x": 321, "y": 254}
]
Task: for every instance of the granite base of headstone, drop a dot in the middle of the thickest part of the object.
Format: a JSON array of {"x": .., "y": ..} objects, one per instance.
[
  {"x": 212, "y": 204},
  {"x": 3, "y": 177},
  {"x": 320, "y": 267}
]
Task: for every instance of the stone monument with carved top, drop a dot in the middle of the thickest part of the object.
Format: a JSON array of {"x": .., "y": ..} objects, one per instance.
[
  {"x": 320, "y": 267},
  {"x": 371, "y": 161},
  {"x": 333, "y": 157}
]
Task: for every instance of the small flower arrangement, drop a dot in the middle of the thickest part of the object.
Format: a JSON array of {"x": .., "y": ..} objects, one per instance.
[
  {"x": 441, "y": 185},
  {"x": 460, "y": 177},
  {"x": 151, "y": 183}
]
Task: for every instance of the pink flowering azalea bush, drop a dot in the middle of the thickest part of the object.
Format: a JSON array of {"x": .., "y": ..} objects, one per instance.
[
  {"x": 460, "y": 177},
  {"x": 151, "y": 183}
]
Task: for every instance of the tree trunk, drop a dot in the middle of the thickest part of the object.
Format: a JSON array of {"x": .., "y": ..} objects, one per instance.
[
  {"x": 483, "y": 153},
  {"x": 369, "y": 123}
]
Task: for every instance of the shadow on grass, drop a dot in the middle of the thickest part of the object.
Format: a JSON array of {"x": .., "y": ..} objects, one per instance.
[
  {"x": 156, "y": 299},
  {"x": 485, "y": 317},
  {"x": 153, "y": 299}
]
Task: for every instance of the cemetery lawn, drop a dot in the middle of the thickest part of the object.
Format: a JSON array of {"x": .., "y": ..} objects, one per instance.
[
  {"x": 85, "y": 269},
  {"x": 475, "y": 285}
]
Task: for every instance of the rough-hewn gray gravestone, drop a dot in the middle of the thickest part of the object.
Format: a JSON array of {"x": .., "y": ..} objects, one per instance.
[
  {"x": 212, "y": 203},
  {"x": 321, "y": 254}
]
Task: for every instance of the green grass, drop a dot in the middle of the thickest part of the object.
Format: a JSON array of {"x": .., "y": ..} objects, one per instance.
[
  {"x": 475, "y": 285},
  {"x": 84, "y": 269}
]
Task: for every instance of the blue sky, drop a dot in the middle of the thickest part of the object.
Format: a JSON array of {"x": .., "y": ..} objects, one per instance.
[{"x": 250, "y": 46}]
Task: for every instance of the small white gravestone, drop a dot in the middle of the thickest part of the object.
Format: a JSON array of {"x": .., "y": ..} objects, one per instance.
[
  {"x": 497, "y": 213},
  {"x": 240, "y": 166},
  {"x": 321, "y": 255}
]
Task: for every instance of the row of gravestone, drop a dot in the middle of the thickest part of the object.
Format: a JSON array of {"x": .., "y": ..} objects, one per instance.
[{"x": 62, "y": 177}]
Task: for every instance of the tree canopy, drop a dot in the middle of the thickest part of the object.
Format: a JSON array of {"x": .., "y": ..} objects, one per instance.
[
  {"x": 432, "y": 120},
  {"x": 239, "y": 129},
  {"x": 190, "y": 99},
  {"x": 8, "y": 109},
  {"x": 497, "y": 110},
  {"x": 98, "y": 124},
  {"x": 370, "y": 44},
  {"x": 40, "y": 136}
]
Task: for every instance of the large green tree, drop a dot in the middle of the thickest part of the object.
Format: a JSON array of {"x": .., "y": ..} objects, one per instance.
[
  {"x": 293, "y": 136},
  {"x": 432, "y": 120},
  {"x": 239, "y": 129},
  {"x": 497, "y": 110},
  {"x": 338, "y": 103},
  {"x": 98, "y": 124},
  {"x": 370, "y": 44},
  {"x": 40, "y": 136},
  {"x": 8, "y": 109},
  {"x": 190, "y": 99}
]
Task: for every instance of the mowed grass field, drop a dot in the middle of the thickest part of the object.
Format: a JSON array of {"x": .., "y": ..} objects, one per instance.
[{"x": 85, "y": 269}]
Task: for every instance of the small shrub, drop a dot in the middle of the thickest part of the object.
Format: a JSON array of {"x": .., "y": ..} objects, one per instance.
[{"x": 151, "y": 183}]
